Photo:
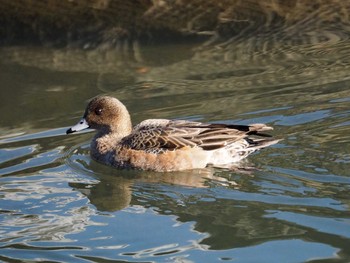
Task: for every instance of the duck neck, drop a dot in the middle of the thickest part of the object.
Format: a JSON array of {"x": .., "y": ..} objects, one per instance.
[
  {"x": 122, "y": 128},
  {"x": 106, "y": 140}
]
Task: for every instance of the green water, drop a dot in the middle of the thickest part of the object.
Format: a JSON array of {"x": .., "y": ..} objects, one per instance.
[{"x": 57, "y": 205}]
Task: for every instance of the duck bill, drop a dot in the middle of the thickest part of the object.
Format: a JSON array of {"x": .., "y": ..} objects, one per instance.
[{"x": 81, "y": 125}]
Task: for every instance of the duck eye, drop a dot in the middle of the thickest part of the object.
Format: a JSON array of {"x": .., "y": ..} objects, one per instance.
[{"x": 98, "y": 111}]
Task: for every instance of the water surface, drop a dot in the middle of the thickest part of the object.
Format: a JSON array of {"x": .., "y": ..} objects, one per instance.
[{"x": 57, "y": 205}]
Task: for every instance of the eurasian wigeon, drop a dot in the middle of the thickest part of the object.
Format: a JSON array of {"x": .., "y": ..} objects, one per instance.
[{"x": 166, "y": 145}]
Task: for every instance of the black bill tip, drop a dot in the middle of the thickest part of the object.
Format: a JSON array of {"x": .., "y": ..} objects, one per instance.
[{"x": 69, "y": 131}]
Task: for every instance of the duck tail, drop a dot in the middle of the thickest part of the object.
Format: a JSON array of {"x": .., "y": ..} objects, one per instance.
[{"x": 256, "y": 144}]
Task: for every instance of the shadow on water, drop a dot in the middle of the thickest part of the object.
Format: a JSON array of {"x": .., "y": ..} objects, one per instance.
[{"x": 289, "y": 69}]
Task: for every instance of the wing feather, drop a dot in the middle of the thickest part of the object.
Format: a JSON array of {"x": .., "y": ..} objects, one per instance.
[{"x": 163, "y": 135}]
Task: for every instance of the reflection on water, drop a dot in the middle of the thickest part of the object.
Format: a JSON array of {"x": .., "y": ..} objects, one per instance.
[{"x": 57, "y": 205}]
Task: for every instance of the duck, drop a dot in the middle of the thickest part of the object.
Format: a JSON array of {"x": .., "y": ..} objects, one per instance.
[{"x": 165, "y": 145}]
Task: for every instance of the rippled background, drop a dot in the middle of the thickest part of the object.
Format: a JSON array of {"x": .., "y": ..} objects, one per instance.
[{"x": 57, "y": 205}]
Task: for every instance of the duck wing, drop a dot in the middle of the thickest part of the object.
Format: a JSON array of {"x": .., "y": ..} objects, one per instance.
[{"x": 163, "y": 135}]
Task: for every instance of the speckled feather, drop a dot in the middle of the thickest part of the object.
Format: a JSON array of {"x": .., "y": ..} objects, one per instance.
[
  {"x": 166, "y": 145},
  {"x": 159, "y": 136}
]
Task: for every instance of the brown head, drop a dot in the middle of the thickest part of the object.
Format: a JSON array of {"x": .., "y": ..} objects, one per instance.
[{"x": 106, "y": 115}]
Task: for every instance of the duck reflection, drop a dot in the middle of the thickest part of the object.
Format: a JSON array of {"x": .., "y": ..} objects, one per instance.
[
  {"x": 196, "y": 200},
  {"x": 115, "y": 188}
]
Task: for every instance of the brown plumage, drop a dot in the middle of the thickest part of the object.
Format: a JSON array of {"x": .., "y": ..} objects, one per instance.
[
  {"x": 176, "y": 134},
  {"x": 166, "y": 145}
]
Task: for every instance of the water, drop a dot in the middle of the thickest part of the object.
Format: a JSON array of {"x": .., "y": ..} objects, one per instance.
[{"x": 57, "y": 205}]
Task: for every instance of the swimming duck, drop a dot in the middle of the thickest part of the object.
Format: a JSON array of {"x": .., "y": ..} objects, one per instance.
[{"x": 165, "y": 145}]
